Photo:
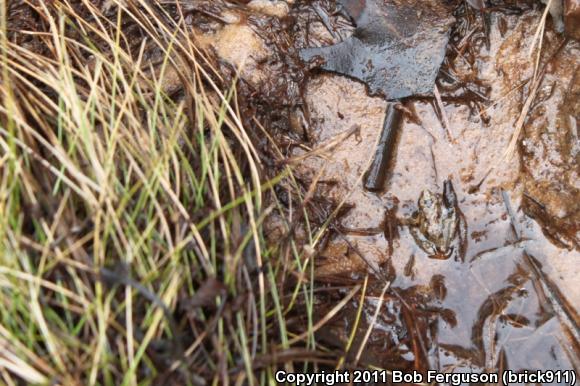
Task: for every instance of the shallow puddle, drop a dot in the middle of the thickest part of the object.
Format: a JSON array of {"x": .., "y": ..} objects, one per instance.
[
  {"x": 509, "y": 297},
  {"x": 470, "y": 314}
]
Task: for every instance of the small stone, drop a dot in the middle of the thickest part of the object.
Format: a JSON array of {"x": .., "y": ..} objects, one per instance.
[{"x": 272, "y": 8}]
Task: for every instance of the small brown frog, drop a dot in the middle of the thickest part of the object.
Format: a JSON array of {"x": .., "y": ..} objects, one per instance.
[{"x": 438, "y": 226}]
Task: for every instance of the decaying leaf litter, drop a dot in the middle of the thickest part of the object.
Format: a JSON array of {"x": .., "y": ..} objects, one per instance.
[{"x": 506, "y": 294}]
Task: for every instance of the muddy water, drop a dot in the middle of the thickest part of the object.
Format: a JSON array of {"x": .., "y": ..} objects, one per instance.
[
  {"x": 471, "y": 314},
  {"x": 512, "y": 301}
]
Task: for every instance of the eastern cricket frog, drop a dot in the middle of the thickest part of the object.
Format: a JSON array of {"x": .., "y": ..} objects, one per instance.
[{"x": 438, "y": 226}]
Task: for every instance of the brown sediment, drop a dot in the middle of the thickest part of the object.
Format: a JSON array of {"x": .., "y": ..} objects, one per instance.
[{"x": 551, "y": 150}]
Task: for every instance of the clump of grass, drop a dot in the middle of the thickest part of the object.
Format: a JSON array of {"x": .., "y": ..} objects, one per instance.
[{"x": 131, "y": 239}]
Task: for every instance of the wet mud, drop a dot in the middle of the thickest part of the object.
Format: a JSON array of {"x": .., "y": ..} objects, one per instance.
[{"x": 481, "y": 279}]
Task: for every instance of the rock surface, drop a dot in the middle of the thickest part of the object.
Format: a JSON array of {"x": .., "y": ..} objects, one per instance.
[{"x": 395, "y": 49}]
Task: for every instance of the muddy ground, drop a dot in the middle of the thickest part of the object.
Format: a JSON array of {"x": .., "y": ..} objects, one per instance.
[{"x": 499, "y": 288}]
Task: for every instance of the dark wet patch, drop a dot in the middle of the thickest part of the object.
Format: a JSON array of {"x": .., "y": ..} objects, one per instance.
[{"x": 395, "y": 49}]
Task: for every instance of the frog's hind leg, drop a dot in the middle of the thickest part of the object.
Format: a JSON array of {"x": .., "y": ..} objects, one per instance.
[
  {"x": 422, "y": 242},
  {"x": 449, "y": 195},
  {"x": 463, "y": 238},
  {"x": 450, "y": 200}
]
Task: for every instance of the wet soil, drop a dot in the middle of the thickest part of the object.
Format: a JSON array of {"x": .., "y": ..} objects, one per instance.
[{"x": 512, "y": 299}]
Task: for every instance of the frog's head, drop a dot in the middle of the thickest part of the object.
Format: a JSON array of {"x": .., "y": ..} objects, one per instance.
[{"x": 427, "y": 201}]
